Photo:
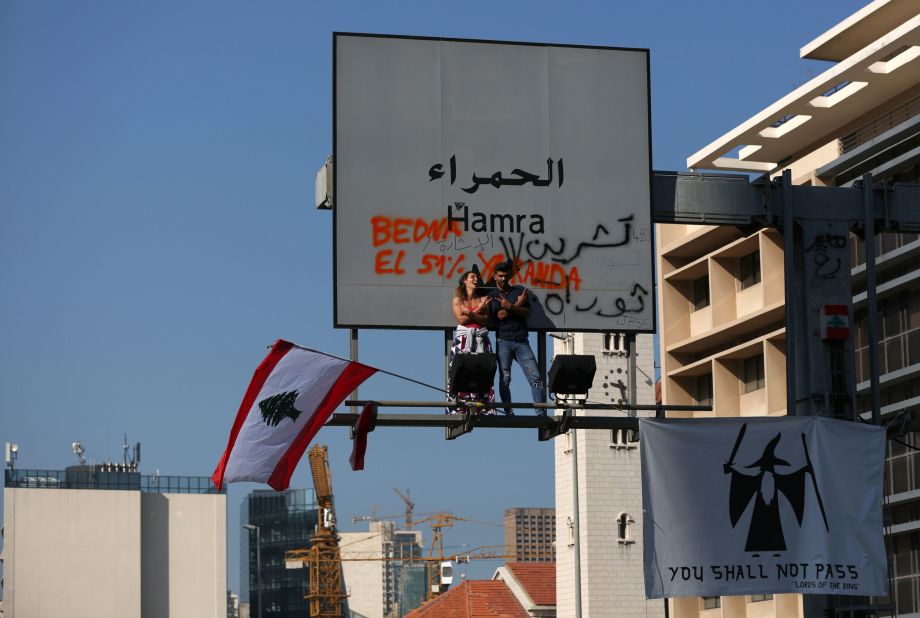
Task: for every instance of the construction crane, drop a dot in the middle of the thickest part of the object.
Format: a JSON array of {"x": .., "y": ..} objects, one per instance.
[
  {"x": 375, "y": 517},
  {"x": 325, "y": 563},
  {"x": 439, "y": 579},
  {"x": 410, "y": 505},
  {"x": 440, "y": 568}
]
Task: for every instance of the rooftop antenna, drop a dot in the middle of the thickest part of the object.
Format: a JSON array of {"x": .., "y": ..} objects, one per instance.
[
  {"x": 78, "y": 450},
  {"x": 135, "y": 458},
  {"x": 12, "y": 452}
]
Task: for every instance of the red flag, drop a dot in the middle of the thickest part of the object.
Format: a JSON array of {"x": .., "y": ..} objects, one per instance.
[
  {"x": 292, "y": 394},
  {"x": 366, "y": 421}
]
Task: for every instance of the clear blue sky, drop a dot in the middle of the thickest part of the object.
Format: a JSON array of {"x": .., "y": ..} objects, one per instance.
[{"x": 157, "y": 227}]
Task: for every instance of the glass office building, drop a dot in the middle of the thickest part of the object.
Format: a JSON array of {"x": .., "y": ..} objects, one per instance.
[{"x": 286, "y": 520}]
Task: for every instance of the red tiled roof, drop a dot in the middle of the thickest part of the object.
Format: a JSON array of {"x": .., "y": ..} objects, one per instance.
[
  {"x": 473, "y": 599},
  {"x": 538, "y": 579}
]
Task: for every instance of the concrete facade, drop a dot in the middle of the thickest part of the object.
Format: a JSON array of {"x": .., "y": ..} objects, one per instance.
[
  {"x": 609, "y": 491},
  {"x": 371, "y": 582},
  {"x": 723, "y": 336},
  {"x": 531, "y": 532},
  {"x": 363, "y": 578},
  {"x": 111, "y": 553}
]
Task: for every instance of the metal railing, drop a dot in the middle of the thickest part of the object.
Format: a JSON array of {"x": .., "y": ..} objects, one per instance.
[
  {"x": 111, "y": 480},
  {"x": 879, "y": 125}
]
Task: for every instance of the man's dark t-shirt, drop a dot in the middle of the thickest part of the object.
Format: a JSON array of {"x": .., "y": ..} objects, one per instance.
[{"x": 513, "y": 327}]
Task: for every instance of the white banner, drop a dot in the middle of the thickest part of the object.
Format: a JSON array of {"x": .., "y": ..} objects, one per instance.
[{"x": 762, "y": 505}]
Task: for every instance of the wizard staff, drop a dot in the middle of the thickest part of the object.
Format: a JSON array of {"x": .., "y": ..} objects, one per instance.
[
  {"x": 814, "y": 482},
  {"x": 727, "y": 466}
]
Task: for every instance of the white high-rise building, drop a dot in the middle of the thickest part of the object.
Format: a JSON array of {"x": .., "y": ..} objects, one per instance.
[{"x": 609, "y": 577}]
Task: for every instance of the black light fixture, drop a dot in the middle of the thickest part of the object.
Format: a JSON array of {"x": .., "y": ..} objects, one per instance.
[
  {"x": 572, "y": 374},
  {"x": 472, "y": 373}
]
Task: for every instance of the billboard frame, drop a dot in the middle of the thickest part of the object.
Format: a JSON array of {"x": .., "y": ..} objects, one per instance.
[{"x": 536, "y": 329}]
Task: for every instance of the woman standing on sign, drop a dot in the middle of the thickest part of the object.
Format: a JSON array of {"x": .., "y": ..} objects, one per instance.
[{"x": 471, "y": 336}]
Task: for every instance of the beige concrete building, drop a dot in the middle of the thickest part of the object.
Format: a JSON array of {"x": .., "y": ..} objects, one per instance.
[
  {"x": 721, "y": 289},
  {"x": 530, "y": 534},
  {"x": 116, "y": 545},
  {"x": 372, "y": 570},
  {"x": 609, "y": 490}
]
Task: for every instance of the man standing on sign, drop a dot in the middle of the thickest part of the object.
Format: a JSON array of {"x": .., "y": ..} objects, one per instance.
[{"x": 509, "y": 306}]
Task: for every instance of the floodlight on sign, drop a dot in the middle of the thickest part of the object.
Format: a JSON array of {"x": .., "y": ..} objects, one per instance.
[
  {"x": 572, "y": 374},
  {"x": 472, "y": 373}
]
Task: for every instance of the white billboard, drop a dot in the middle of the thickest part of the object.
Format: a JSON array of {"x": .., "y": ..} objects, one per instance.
[{"x": 450, "y": 153}]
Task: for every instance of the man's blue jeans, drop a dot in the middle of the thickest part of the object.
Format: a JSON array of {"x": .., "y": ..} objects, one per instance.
[{"x": 520, "y": 351}]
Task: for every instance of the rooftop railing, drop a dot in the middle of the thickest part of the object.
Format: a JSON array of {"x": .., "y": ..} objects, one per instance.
[
  {"x": 888, "y": 120},
  {"x": 111, "y": 480}
]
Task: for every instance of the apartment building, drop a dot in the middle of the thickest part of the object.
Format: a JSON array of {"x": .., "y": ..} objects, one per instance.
[
  {"x": 721, "y": 289},
  {"x": 531, "y": 532}
]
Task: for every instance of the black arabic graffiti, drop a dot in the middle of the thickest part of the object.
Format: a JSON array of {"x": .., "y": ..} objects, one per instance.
[
  {"x": 826, "y": 267},
  {"x": 555, "y": 304},
  {"x": 537, "y": 248},
  {"x": 499, "y": 180},
  {"x": 621, "y": 304}
]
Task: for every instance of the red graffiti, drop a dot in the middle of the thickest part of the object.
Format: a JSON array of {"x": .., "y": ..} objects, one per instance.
[
  {"x": 383, "y": 264},
  {"x": 546, "y": 275},
  {"x": 400, "y": 230}
]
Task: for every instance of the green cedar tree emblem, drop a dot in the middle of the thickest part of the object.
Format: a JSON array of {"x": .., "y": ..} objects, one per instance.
[{"x": 278, "y": 407}]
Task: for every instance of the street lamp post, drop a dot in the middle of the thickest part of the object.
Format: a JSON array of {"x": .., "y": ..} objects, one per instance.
[{"x": 252, "y": 527}]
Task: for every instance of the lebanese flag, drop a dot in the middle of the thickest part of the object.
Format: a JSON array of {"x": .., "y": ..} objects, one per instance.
[{"x": 291, "y": 395}]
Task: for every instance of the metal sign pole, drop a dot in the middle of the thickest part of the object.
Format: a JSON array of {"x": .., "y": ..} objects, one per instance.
[
  {"x": 353, "y": 356},
  {"x": 871, "y": 300},
  {"x": 789, "y": 276}
]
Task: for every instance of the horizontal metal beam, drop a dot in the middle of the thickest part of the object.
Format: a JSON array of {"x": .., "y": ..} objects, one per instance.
[
  {"x": 707, "y": 199},
  {"x": 902, "y": 207},
  {"x": 456, "y": 425},
  {"x": 731, "y": 199},
  {"x": 556, "y": 405}
]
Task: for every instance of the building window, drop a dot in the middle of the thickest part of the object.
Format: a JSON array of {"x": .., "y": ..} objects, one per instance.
[
  {"x": 756, "y": 598},
  {"x": 624, "y": 522},
  {"x": 711, "y": 602},
  {"x": 624, "y": 438},
  {"x": 903, "y": 553},
  {"x": 570, "y": 525},
  {"x": 615, "y": 343},
  {"x": 704, "y": 390},
  {"x": 749, "y": 270},
  {"x": 899, "y": 332},
  {"x": 753, "y": 373},
  {"x": 699, "y": 293}
]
